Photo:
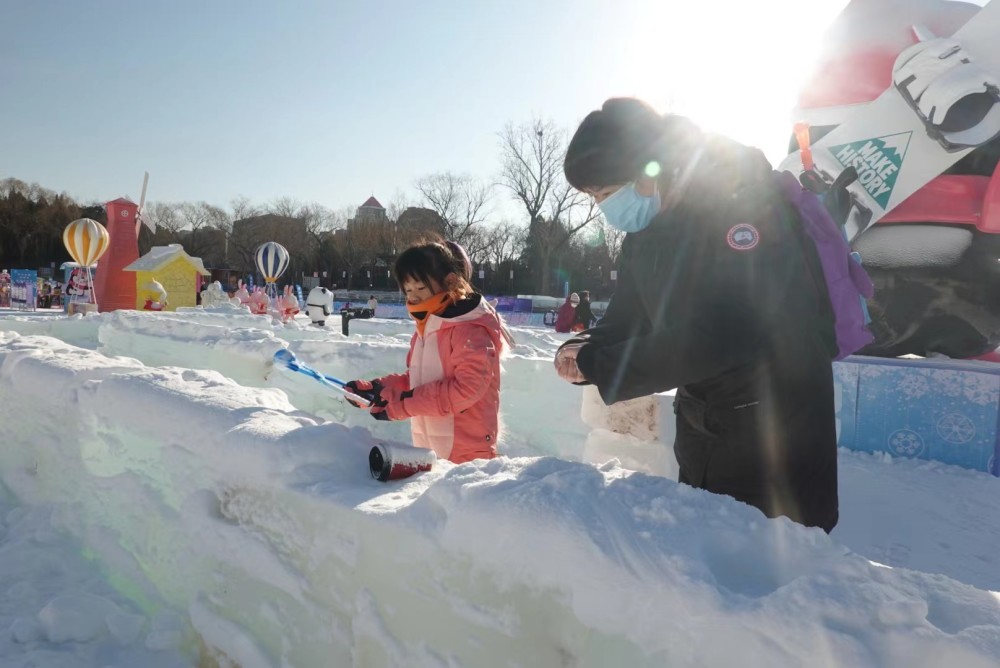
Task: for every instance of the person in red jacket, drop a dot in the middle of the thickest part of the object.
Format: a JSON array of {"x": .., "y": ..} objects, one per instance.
[
  {"x": 566, "y": 314},
  {"x": 450, "y": 390}
]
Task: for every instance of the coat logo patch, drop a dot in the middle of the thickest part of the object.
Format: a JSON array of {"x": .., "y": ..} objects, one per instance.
[{"x": 742, "y": 237}]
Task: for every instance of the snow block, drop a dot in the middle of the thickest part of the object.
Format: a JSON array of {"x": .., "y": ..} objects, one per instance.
[{"x": 935, "y": 409}]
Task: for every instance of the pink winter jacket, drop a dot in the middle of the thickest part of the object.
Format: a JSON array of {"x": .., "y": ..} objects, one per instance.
[{"x": 454, "y": 372}]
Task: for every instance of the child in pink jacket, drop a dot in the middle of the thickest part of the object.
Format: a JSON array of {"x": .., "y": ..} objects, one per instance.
[{"x": 450, "y": 391}]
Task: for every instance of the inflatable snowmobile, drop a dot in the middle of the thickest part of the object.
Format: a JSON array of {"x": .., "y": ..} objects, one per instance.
[{"x": 934, "y": 258}]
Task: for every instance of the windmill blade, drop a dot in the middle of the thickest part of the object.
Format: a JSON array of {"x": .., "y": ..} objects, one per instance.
[
  {"x": 139, "y": 218},
  {"x": 142, "y": 197}
]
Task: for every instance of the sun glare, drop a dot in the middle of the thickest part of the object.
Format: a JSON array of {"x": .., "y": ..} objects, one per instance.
[{"x": 734, "y": 68}]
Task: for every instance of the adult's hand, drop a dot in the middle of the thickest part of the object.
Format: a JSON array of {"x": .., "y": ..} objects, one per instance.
[{"x": 565, "y": 363}]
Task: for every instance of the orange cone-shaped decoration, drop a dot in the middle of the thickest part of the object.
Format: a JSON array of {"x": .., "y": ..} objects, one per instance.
[{"x": 115, "y": 288}]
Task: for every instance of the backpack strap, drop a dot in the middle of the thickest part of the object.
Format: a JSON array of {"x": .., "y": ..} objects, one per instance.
[{"x": 829, "y": 249}]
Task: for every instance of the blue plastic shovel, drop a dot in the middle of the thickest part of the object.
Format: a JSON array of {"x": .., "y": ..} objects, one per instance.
[{"x": 286, "y": 358}]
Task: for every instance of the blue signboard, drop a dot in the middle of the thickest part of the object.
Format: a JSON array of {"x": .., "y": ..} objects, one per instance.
[
  {"x": 943, "y": 410},
  {"x": 23, "y": 288}
]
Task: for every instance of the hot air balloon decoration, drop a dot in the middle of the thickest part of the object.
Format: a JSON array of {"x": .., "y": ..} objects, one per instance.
[
  {"x": 86, "y": 240},
  {"x": 272, "y": 261}
]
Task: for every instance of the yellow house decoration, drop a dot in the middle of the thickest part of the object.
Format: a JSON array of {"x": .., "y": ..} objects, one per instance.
[{"x": 169, "y": 269}]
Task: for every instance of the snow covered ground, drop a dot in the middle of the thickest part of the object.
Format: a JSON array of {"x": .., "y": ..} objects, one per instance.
[{"x": 169, "y": 498}]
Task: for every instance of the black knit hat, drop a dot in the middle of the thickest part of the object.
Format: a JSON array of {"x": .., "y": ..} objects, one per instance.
[{"x": 614, "y": 144}]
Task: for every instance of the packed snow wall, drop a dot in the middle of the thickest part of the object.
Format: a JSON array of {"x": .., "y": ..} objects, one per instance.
[
  {"x": 258, "y": 524},
  {"x": 262, "y": 525}
]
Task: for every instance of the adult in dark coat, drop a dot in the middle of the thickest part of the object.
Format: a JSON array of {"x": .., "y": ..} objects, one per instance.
[
  {"x": 584, "y": 317},
  {"x": 715, "y": 297}
]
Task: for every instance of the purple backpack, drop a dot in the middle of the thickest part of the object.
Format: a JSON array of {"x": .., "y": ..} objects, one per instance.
[{"x": 846, "y": 280}]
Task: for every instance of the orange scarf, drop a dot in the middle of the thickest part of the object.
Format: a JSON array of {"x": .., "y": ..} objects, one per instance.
[{"x": 431, "y": 306}]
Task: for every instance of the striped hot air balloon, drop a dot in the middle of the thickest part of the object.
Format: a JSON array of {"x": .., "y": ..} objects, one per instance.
[
  {"x": 86, "y": 240},
  {"x": 272, "y": 260}
]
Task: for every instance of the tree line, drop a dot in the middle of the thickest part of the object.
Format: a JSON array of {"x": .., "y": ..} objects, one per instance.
[{"x": 559, "y": 238}]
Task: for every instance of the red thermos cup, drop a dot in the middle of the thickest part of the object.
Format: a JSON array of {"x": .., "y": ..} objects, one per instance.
[{"x": 392, "y": 462}]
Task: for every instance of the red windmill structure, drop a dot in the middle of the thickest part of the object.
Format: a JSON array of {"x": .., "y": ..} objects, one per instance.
[{"x": 114, "y": 287}]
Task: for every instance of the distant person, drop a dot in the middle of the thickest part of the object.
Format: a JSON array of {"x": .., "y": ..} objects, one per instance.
[
  {"x": 716, "y": 297},
  {"x": 566, "y": 314},
  {"x": 584, "y": 317},
  {"x": 372, "y": 304},
  {"x": 451, "y": 388}
]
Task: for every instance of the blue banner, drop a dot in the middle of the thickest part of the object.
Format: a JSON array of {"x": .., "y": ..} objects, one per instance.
[
  {"x": 512, "y": 304},
  {"x": 23, "y": 288}
]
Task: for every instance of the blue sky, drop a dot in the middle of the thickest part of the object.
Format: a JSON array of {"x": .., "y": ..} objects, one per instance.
[{"x": 327, "y": 102}]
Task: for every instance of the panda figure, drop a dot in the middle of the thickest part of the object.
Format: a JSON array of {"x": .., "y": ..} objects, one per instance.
[{"x": 319, "y": 305}]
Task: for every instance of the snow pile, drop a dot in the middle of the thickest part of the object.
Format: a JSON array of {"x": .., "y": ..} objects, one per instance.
[
  {"x": 541, "y": 415},
  {"x": 57, "y": 609},
  {"x": 239, "y": 520}
]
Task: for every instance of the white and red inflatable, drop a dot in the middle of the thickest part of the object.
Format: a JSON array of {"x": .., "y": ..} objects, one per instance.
[{"x": 935, "y": 258}]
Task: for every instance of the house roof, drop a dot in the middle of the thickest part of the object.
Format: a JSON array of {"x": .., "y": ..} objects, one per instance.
[
  {"x": 161, "y": 255},
  {"x": 122, "y": 200},
  {"x": 371, "y": 201}
]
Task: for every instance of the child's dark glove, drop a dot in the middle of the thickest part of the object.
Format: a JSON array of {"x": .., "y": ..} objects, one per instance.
[
  {"x": 366, "y": 389},
  {"x": 392, "y": 407}
]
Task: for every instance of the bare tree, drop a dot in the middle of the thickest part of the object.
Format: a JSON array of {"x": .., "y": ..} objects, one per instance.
[
  {"x": 167, "y": 220},
  {"x": 238, "y": 252},
  {"x": 505, "y": 243},
  {"x": 365, "y": 245},
  {"x": 320, "y": 222},
  {"x": 322, "y": 226},
  {"x": 241, "y": 207},
  {"x": 460, "y": 200},
  {"x": 531, "y": 168},
  {"x": 397, "y": 205},
  {"x": 395, "y": 238},
  {"x": 204, "y": 233},
  {"x": 531, "y": 159},
  {"x": 348, "y": 246},
  {"x": 377, "y": 241},
  {"x": 613, "y": 238},
  {"x": 286, "y": 206},
  {"x": 477, "y": 243}
]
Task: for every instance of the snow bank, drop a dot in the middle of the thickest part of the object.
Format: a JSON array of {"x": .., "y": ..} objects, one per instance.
[
  {"x": 257, "y": 525},
  {"x": 57, "y": 610},
  {"x": 240, "y": 346}
]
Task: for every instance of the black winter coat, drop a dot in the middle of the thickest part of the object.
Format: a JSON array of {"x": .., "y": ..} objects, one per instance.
[
  {"x": 583, "y": 314},
  {"x": 722, "y": 297}
]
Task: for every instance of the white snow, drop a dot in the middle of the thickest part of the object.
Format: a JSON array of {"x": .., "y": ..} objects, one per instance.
[{"x": 169, "y": 498}]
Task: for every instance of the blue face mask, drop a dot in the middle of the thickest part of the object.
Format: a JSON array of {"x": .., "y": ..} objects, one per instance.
[{"x": 628, "y": 211}]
